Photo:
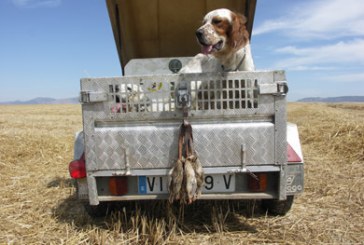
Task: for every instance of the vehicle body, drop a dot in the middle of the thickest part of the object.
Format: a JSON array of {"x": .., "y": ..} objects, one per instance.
[{"x": 129, "y": 141}]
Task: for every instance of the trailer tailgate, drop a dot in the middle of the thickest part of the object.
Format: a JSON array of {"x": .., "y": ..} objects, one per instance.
[{"x": 133, "y": 122}]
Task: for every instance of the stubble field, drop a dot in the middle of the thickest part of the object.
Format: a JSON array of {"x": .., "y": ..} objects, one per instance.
[{"x": 38, "y": 203}]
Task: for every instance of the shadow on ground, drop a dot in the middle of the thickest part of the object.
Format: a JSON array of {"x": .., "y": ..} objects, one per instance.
[{"x": 200, "y": 217}]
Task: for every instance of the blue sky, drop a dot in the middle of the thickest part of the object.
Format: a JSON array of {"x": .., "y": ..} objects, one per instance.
[{"x": 46, "y": 46}]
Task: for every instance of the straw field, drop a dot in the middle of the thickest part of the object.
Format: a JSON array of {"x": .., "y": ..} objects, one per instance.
[{"x": 38, "y": 203}]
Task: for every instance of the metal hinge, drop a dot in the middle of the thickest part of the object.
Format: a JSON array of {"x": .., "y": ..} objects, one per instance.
[
  {"x": 92, "y": 97},
  {"x": 282, "y": 87},
  {"x": 277, "y": 88}
]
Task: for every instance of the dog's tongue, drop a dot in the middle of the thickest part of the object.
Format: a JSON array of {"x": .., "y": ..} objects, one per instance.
[{"x": 206, "y": 49}]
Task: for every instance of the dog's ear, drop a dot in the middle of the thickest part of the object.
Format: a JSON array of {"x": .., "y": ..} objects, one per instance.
[{"x": 239, "y": 36}]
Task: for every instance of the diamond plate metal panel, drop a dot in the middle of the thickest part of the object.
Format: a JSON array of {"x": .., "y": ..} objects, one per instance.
[
  {"x": 280, "y": 124},
  {"x": 135, "y": 147},
  {"x": 221, "y": 144},
  {"x": 156, "y": 146}
]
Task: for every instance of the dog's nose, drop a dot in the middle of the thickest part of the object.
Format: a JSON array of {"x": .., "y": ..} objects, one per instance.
[{"x": 199, "y": 34}]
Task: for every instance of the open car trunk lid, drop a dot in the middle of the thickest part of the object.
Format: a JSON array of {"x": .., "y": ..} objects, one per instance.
[{"x": 164, "y": 28}]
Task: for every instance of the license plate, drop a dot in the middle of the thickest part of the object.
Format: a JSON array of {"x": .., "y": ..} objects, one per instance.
[{"x": 213, "y": 183}]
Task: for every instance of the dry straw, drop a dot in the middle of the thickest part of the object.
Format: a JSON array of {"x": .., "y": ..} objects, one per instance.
[{"x": 38, "y": 204}]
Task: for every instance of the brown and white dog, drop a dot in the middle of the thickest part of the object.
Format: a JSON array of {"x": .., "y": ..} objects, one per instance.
[
  {"x": 225, "y": 47},
  {"x": 224, "y": 44}
]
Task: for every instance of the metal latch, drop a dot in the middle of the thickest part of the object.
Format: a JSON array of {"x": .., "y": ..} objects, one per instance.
[
  {"x": 183, "y": 96},
  {"x": 277, "y": 88},
  {"x": 92, "y": 97},
  {"x": 282, "y": 87}
]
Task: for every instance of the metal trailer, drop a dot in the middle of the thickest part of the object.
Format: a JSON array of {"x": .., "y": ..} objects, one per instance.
[{"x": 129, "y": 141}]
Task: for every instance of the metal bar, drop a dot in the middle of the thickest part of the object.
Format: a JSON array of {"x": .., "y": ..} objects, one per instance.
[
  {"x": 164, "y": 172},
  {"x": 230, "y": 196}
]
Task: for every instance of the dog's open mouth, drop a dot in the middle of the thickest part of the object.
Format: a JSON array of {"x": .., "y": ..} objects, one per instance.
[{"x": 208, "y": 49}]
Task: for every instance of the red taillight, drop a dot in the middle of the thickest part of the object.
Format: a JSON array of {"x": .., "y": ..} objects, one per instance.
[
  {"x": 292, "y": 156},
  {"x": 77, "y": 168},
  {"x": 258, "y": 184},
  {"x": 118, "y": 185}
]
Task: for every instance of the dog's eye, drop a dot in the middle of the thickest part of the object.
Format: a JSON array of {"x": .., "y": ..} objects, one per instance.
[{"x": 216, "y": 21}]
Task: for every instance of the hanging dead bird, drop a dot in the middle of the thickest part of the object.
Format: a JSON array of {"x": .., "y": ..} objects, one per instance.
[
  {"x": 176, "y": 174},
  {"x": 197, "y": 167},
  {"x": 190, "y": 182},
  {"x": 175, "y": 181},
  {"x": 195, "y": 162},
  {"x": 186, "y": 177}
]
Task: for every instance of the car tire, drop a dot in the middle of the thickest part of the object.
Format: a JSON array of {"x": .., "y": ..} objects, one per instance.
[
  {"x": 278, "y": 207},
  {"x": 97, "y": 211}
]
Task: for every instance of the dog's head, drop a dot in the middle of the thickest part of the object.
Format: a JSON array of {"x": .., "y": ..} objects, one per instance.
[{"x": 223, "y": 31}]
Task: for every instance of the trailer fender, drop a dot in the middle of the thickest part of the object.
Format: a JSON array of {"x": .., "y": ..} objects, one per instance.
[
  {"x": 79, "y": 149},
  {"x": 79, "y": 145},
  {"x": 295, "y": 164}
]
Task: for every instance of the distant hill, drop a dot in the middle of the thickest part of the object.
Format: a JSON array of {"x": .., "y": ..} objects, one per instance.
[
  {"x": 45, "y": 100},
  {"x": 333, "y": 99},
  {"x": 42, "y": 100}
]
